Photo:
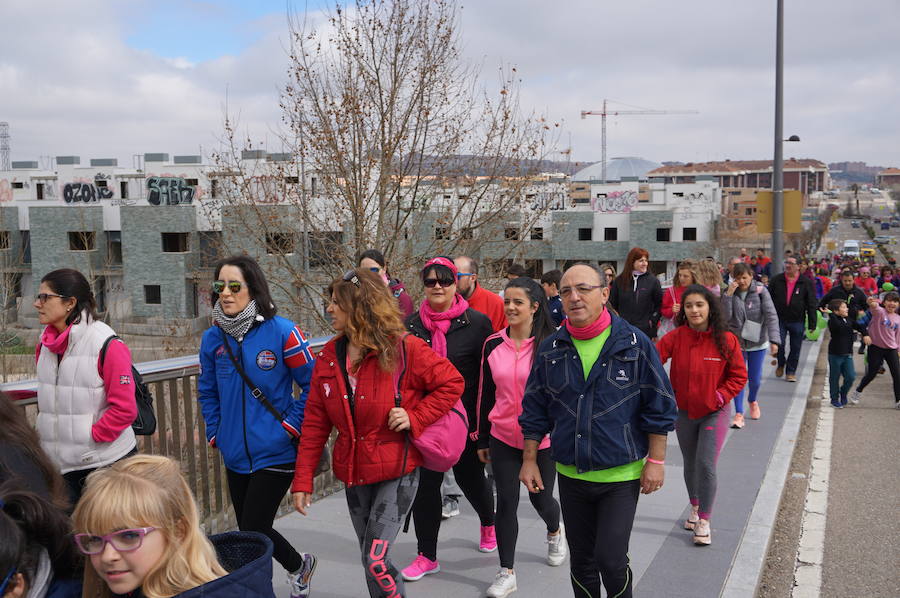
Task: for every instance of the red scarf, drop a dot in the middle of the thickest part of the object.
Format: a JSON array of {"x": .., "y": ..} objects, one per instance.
[
  {"x": 592, "y": 330},
  {"x": 438, "y": 322}
]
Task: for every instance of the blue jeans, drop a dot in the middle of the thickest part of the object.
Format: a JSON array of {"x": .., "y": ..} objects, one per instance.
[
  {"x": 792, "y": 331},
  {"x": 754, "y": 361},
  {"x": 840, "y": 365}
]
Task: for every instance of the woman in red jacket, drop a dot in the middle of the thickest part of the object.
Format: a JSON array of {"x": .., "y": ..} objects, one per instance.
[
  {"x": 353, "y": 390},
  {"x": 707, "y": 371}
]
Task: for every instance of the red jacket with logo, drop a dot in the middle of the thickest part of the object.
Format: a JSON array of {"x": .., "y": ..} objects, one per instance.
[
  {"x": 703, "y": 380},
  {"x": 366, "y": 451}
]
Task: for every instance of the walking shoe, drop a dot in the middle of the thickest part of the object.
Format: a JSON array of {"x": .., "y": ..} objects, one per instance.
[
  {"x": 450, "y": 507},
  {"x": 693, "y": 518},
  {"x": 862, "y": 349},
  {"x": 897, "y": 405},
  {"x": 779, "y": 371},
  {"x": 702, "y": 536},
  {"x": 419, "y": 568},
  {"x": 755, "y": 412},
  {"x": 738, "y": 422},
  {"x": 854, "y": 397},
  {"x": 488, "y": 539},
  {"x": 791, "y": 378},
  {"x": 836, "y": 403},
  {"x": 843, "y": 400},
  {"x": 556, "y": 548},
  {"x": 504, "y": 584},
  {"x": 299, "y": 581}
]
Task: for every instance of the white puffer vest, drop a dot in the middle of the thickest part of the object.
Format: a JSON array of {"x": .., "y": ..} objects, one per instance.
[{"x": 71, "y": 398}]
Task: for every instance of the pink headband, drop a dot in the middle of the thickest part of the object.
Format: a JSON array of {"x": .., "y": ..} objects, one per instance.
[{"x": 440, "y": 261}]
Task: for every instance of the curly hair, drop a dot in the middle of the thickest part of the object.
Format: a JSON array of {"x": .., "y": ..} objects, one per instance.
[
  {"x": 708, "y": 273},
  {"x": 374, "y": 322},
  {"x": 717, "y": 324}
]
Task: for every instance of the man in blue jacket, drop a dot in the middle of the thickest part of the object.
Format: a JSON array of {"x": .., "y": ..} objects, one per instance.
[{"x": 599, "y": 386}]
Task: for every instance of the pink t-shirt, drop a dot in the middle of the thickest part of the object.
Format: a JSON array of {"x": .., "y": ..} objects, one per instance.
[
  {"x": 884, "y": 328},
  {"x": 790, "y": 287}
]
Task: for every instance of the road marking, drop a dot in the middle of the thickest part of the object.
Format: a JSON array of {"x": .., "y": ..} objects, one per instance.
[{"x": 811, "y": 550}]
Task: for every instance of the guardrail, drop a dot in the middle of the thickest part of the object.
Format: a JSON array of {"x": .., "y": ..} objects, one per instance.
[{"x": 181, "y": 435}]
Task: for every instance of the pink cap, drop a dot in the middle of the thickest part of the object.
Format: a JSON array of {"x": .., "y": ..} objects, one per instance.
[
  {"x": 440, "y": 261},
  {"x": 864, "y": 269}
]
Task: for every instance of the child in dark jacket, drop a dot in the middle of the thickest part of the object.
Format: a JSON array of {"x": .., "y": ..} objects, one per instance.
[{"x": 840, "y": 352}]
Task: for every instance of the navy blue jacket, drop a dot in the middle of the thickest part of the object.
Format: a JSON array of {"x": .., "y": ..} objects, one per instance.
[
  {"x": 556, "y": 310},
  {"x": 603, "y": 421}
]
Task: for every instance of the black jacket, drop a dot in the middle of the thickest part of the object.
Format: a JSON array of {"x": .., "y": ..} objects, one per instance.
[
  {"x": 855, "y": 299},
  {"x": 803, "y": 300},
  {"x": 638, "y": 304},
  {"x": 465, "y": 340},
  {"x": 842, "y": 334}
]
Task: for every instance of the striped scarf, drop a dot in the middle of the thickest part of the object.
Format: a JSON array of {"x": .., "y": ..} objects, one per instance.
[{"x": 236, "y": 326}]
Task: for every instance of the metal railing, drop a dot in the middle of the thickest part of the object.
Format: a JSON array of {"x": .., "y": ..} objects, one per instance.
[{"x": 181, "y": 435}]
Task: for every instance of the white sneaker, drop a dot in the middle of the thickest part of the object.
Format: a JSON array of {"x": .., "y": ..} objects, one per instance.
[
  {"x": 504, "y": 584},
  {"x": 557, "y": 549},
  {"x": 854, "y": 397},
  {"x": 449, "y": 508}
]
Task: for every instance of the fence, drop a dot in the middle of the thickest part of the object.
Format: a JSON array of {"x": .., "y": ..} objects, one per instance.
[{"x": 181, "y": 435}]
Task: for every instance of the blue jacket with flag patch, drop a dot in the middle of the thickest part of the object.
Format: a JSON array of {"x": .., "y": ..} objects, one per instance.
[{"x": 274, "y": 354}]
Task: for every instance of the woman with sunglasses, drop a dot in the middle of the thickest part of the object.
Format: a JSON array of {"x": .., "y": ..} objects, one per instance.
[
  {"x": 256, "y": 436},
  {"x": 139, "y": 528},
  {"x": 373, "y": 260},
  {"x": 455, "y": 331},
  {"x": 356, "y": 382},
  {"x": 86, "y": 404}
]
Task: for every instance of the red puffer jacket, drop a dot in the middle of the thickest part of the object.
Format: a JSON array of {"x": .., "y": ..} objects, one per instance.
[
  {"x": 366, "y": 451},
  {"x": 699, "y": 371}
]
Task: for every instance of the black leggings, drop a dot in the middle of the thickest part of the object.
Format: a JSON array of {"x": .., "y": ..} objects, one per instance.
[
  {"x": 75, "y": 480},
  {"x": 507, "y": 462},
  {"x": 256, "y": 497},
  {"x": 469, "y": 473},
  {"x": 877, "y": 356}
]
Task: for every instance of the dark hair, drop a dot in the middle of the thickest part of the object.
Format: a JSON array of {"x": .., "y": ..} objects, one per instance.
[
  {"x": 256, "y": 283},
  {"x": 16, "y": 432},
  {"x": 28, "y": 524},
  {"x": 624, "y": 277},
  {"x": 541, "y": 326},
  {"x": 516, "y": 270},
  {"x": 834, "y": 304},
  {"x": 551, "y": 277},
  {"x": 440, "y": 270},
  {"x": 848, "y": 272},
  {"x": 373, "y": 254},
  {"x": 72, "y": 283},
  {"x": 740, "y": 269},
  {"x": 717, "y": 322},
  {"x": 892, "y": 296}
]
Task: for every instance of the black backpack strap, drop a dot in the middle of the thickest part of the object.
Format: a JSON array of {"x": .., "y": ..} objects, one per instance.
[
  {"x": 254, "y": 390},
  {"x": 105, "y": 347}
]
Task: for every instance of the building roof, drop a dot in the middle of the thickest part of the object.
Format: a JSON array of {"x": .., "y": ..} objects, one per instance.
[
  {"x": 734, "y": 167},
  {"x": 890, "y": 171},
  {"x": 616, "y": 168}
]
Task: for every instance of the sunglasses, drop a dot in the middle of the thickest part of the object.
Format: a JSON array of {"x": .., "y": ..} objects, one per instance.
[
  {"x": 375, "y": 269},
  {"x": 42, "y": 297},
  {"x": 124, "y": 540},
  {"x": 443, "y": 282},
  {"x": 233, "y": 285}
]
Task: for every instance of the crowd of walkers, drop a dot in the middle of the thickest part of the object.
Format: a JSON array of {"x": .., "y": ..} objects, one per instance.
[{"x": 557, "y": 384}]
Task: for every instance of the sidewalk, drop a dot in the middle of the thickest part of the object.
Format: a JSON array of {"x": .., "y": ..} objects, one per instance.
[{"x": 665, "y": 562}]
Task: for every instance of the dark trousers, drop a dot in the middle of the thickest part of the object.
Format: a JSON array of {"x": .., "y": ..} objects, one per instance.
[
  {"x": 256, "y": 497},
  {"x": 469, "y": 473},
  {"x": 790, "y": 332},
  {"x": 598, "y": 518},
  {"x": 507, "y": 462},
  {"x": 75, "y": 480},
  {"x": 876, "y": 356},
  {"x": 840, "y": 366}
]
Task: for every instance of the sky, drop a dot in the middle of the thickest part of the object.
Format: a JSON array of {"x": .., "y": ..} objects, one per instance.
[{"x": 115, "y": 78}]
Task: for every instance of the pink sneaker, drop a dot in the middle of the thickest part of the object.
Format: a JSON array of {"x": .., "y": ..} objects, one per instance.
[
  {"x": 488, "y": 539},
  {"x": 419, "y": 568}
]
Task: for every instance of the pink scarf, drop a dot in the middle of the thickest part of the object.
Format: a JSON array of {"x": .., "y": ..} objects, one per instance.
[
  {"x": 592, "y": 330},
  {"x": 438, "y": 322}
]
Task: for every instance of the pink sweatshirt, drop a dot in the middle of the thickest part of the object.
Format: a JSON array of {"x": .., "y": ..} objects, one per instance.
[
  {"x": 117, "y": 381},
  {"x": 884, "y": 328}
]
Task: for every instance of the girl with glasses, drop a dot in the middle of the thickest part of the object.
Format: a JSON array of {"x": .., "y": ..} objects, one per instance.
[
  {"x": 257, "y": 440},
  {"x": 138, "y": 526},
  {"x": 373, "y": 260},
  {"x": 86, "y": 404}
]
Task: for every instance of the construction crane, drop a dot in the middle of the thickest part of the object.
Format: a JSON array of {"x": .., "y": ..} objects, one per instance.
[{"x": 604, "y": 113}]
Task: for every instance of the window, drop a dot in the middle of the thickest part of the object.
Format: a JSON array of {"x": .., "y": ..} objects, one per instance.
[
  {"x": 40, "y": 190},
  {"x": 18, "y": 185},
  {"x": 748, "y": 211},
  {"x": 537, "y": 234},
  {"x": 610, "y": 234},
  {"x": 26, "y": 246},
  {"x": 175, "y": 242},
  {"x": 466, "y": 233},
  {"x": 4, "y": 239},
  {"x": 678, "y": 194},
  {"x": 81, "y": 241},
  {"x": 581, "y": 200},
  {"x": 114, "y": 247},
  {"x": 534, "y": 268},
  {"x": 191, "y": 182},
  {"x": 123, "y": 189},
  {"x": 689, "y": 234},
  {"x": 312, "y": 185},
  {"x": 100, "y": 183},
  {"x": 442, "y": 233},
  {"x": 511, "y": 234},
  {"x": 210, "y": 242},
  {"x": 585, "y": 234},
  {"x": 447, "y": 197},
  {"x": 214, "y": 188},
  {"x": 323, "y": 248},
  {"x": 292, "y": 180},
  {"x": 279, "y": 243},
  {"x": 152, "y": 294},
  {"x": 664, "y": 234}
]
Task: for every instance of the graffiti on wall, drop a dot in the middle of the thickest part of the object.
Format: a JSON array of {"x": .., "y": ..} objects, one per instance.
[
  {"x": 614, "y": 201},
  {"x": 86, "y": 191},
  {"x": 169, "y": 191},
  {"x": 548, "y": 200}
]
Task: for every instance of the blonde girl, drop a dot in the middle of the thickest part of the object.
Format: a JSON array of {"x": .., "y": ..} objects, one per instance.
[{"x": 708, "y": 275}]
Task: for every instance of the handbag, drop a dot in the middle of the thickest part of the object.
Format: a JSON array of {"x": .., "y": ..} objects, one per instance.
[
  {"x": 325, "y": 460},
  {"x": 751, "y": 331}
]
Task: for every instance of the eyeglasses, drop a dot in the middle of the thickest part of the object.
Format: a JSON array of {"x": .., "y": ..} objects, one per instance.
[
  {"x": 350, "y": 276},
  {"x": 375, "y": 269},
  {"x": 582, "y": 289},
  {"x": 5, "y": 581},
  {"x": 461, "y": 274},
  {"x": 124, "y": 540},
  {"x": 443, "y": 282},
  {"x": 42, "y": 297},
  {"x": 234, "y": 286}
]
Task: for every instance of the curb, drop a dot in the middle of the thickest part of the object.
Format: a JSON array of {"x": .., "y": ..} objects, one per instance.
[{"x": 746, "y": 568}]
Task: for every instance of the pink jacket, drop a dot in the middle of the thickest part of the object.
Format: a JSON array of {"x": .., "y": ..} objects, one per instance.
[
  {"x": 504, "y": 372},
  {"x": 884, "y": 328}
]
